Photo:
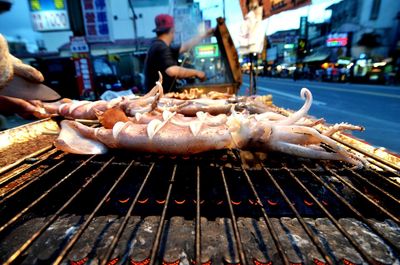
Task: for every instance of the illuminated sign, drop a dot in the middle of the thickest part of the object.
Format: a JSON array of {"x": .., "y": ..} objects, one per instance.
[
  {"x": 337, "y": 40},
  {"x": 303, "y": 27},
  {"x": 206, "y": 51},
  {"x": 96, "y": 20},
  {"x": 288, "y": 46},
  {"x": 49, "y": 15}
]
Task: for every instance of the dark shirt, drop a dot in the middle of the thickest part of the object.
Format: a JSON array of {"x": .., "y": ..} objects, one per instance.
[{"x": 159, "y": 57}]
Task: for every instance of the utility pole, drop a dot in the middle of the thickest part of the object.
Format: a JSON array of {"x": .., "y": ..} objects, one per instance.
[
  {"x": 223, "y": 9},
  {"x": 134, "y": 25}
]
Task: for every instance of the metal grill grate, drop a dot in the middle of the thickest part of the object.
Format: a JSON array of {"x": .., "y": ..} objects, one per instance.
[{"x": 52, "y": 216}]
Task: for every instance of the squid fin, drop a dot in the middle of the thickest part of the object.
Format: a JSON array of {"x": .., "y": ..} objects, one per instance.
[{"x": 76, "y": 138}]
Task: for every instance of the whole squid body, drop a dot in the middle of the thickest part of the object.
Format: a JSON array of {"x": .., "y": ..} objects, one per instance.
[
  {"x": 153, "y": 100},
  {"x": 171, "y": 133},
  {"x": 83, "y": 109}
]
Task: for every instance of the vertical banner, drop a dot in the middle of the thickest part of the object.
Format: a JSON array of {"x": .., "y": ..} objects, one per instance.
[
  {"x": 96, "y": 20},
  {"x": 83, "y": 69},
  {"x": 272, "y": 7},
  {"x": 302, "y": 41},
  {"x": 252, "y": 31}
]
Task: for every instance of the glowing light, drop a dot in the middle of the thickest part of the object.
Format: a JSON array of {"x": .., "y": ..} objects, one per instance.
[
  {"x": 180, "y": 202},
  {"x": 236, "y": 203},
  {"x": 143, "y": 262},
  {"x": 379, "y": 64},
  {"x": 124, "y": 201},
  {"x": 308, "y": 203},
  {"x": 325, "y": 65},
  {"x": 143, "y": 201},
  {"x": 79, "y": 262}
]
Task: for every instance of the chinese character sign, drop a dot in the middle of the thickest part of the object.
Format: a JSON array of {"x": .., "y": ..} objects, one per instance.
[
  {"x": 83, "y": 69},
  {"x": 49, "y": 15},
  {"x": 96, "y": 20}
]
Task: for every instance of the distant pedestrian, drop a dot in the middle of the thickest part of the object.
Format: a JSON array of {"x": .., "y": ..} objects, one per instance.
[
  {"x": 329, "y": 73},
  {"x": 295, "y": 74}
]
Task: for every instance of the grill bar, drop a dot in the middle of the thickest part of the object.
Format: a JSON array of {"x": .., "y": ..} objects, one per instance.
[
  {"x": 53, "y": 167},
  {"x": 267, "y": 220},
  {"x": 13, "y": 191},
  {"x": 380, "y": 165},
  {"x": 374, "y": 157},
  {"x": 383, "y": 192},
  {"x": 380, "y": 208},
  {"x": 22, "y": 160},
  {"x": 160, "y": 228},
  {"x": 29, "y": 242},
  {"x": 352, "y": 209},
  {"x": 389, "y": 181},
  {"x": 124, "y": 222},
  {"x": 19, "y": 172},
  {"x": 82, "y": 228},
  {"x": 364, "y": 254},
  {"x": 242, "y": 256},
  {"x": 198, "y": 220},
  {"x": 44, "y": 195},
  {"x": 310, "y": 234}
]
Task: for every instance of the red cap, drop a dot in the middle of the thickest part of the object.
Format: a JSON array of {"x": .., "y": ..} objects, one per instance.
[{"x": 163, "y": 23}]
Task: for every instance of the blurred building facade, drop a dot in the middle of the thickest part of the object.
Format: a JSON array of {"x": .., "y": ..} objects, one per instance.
[
  {"x": 119, "y": 33},
  {"x": 125, "y": 20},
  {"x": 373, "y": 24},
  {"x": 283, "y": 46}
]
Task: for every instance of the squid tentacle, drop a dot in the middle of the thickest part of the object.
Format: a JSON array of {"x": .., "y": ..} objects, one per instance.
[{"x": 305, "y": 93}]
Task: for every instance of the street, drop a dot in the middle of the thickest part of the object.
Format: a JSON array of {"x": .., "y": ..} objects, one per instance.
[{"x": 376, "y": 107}]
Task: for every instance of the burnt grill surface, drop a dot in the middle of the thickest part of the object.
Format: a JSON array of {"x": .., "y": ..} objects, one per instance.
[{"x": 221, "y": 207}]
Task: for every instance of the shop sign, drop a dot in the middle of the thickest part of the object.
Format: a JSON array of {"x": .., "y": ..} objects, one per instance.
[
  {"x": 83, "y": 75},
  {"x": 78, "y": 44},
  {"x": 288, "y": 46},
  {"x": 49, "y": 15},
  {"x": 303, "y": 27},
  {"x": 206, "y": 51},
  {"x": 83, "y": 68},
  {"x": 96, "y": 20},
  {"x": 337, "y": 40}
]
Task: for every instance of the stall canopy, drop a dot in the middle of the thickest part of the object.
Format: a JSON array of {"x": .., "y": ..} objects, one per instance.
[{"x": 316, "y": 57}]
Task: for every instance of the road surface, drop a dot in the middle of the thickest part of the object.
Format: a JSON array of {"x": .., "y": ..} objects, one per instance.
[{"x": 376, "y": 107}]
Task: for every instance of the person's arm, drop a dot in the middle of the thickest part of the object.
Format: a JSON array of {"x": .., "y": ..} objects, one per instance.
[
  {"x": 196, "y": 40},
  {"x": 181, "y": 73}
]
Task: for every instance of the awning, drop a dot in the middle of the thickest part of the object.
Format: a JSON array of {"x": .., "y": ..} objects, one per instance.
[{"x": 316, "y": 57}]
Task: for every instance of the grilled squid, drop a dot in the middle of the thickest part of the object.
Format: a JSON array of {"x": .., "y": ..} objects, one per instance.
[{"x": 171, "y": 133}]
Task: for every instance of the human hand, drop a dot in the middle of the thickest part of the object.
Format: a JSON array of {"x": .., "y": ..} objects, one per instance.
[
  {"x": 201, "y": 76},
  {"x": 10, "y": 66},
  {"x": 25, "y": 108},
  {"x": 209, "y": 33}
]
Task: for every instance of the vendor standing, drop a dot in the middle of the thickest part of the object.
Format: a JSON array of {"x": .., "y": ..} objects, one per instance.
[{"x": 163, "y": 57}]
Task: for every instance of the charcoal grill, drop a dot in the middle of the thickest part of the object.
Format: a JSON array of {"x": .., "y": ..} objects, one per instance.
[{"x": 225, "y": 207}]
